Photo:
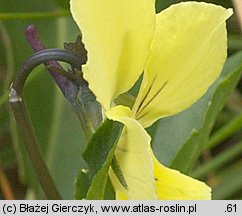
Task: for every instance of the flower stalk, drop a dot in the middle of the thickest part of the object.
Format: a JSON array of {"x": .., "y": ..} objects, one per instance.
[{"x": 23, "y": 120}]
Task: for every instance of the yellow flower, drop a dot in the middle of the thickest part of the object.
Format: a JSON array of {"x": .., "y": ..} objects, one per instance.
[{"x": 180, "y": 53}]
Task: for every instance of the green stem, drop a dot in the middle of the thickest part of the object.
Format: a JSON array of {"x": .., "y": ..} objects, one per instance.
[
  {"x": 36, "y": 15},
  {"x": 23, "y": 120},
  {"x": 17, "y": 145},
  {"x": 232, "y": 127},
  {"x": 31, "y": 146},
  {"x": 4, "y": 99},
  {"x": 219, "y": 160}
]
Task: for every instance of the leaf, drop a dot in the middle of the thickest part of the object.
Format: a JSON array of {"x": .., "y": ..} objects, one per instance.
[
  {"x": 98, "y": 155},
  {"x": 178, "y": 140},
  {"x": 226, "y": 84},
  {"x": 65, "y": 144}
]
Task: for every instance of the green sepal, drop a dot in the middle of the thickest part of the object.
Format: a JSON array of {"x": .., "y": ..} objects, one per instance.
[
  {"x": 91, "y": 183},
  {"x": 81, "y": 184}
]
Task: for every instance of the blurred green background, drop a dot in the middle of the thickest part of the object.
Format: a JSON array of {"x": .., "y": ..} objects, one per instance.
[{"x": 212, "y": 157}]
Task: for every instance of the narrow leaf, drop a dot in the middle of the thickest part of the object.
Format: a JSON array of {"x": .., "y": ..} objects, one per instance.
[{"x": 98, "y": 155}]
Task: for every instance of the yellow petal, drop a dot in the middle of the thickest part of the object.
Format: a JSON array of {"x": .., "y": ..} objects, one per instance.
[
  {"x": 121, "y": 196},
  {"x": 172, "y": 185},
  {"x": 134, "y": 158},
  {"x": 117, "y": 35},
  {"x": 188, "y": 53}
]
